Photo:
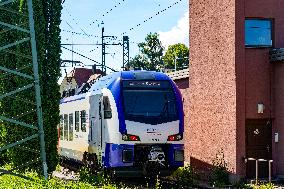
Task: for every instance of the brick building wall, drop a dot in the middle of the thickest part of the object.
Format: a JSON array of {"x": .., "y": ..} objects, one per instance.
[
  {"x": 212, "y": 91},
  {"x": 258, "y": 80},
  {"x": 228, "y": 80}
]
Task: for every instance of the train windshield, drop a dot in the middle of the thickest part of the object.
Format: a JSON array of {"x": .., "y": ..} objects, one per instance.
[{"x": 151, "y": 102}]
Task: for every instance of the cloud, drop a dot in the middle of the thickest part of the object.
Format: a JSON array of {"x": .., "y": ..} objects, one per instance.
[{"x": 178, "y": 33}]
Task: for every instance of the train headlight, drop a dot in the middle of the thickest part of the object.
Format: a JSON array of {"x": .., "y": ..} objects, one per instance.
[
  {"x": 128, "y": 137},
  {"x": 175, "y": 137}
]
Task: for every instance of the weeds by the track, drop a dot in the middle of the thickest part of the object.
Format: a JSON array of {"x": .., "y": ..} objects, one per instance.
[{"x": 38, "y": 182}]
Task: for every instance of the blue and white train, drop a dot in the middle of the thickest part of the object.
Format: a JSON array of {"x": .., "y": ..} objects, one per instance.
[{"x": 129, "y": 121}]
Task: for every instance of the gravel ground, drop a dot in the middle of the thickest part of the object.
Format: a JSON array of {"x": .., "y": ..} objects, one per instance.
[{"x": 65, "y": 174}]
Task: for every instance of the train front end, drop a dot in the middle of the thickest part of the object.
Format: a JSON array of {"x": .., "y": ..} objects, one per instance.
[{"x": 151, "y": 125}]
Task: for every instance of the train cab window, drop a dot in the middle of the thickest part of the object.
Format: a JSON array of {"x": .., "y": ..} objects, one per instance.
[
  {"x": 70, "y": 127},
  {"x": 77, "y": 122},
  {"x": 65, "y": 126},
  {"x": 107, "y": 108},
  {"x": 83, "y": 121},
  {"x": 61, "y": 127},
  {"x": 150, "y": 102}
]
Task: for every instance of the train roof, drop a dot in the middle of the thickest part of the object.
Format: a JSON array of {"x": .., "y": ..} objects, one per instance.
[{"x": 106, "y": 81}]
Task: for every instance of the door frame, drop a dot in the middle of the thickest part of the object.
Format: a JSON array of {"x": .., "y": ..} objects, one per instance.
[{"x": 268, "y": 122}]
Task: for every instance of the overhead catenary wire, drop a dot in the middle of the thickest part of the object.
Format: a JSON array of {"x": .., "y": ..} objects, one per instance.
[
  {"x": 75, "y": 21},
  {"x": 107, "y": 12},
  {"x": 79, "y": 33},
  {"x": 151, "y": 17},
  {"x": 98, "y": 63},
  {"x": 97, "y": 21},
  {"x": 81, "y": 55}
]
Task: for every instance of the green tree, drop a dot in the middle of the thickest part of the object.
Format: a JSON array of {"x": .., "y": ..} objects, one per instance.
[
  {"x": 47, "y": 15},
  {"x": 138, "y": 62},
  {"x": 151, "y": 53},
  {"x": 176, "y": 54}
]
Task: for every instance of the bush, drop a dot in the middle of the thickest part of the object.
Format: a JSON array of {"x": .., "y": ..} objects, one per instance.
[
  {"x": 47, "y": 15},
  {"x": 185, "y": 176},
  {"x": 219, "y": 176},
  {"x": 88, "y": 177}
]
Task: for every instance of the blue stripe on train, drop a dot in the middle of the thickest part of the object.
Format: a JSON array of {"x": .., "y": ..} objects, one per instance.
[
  {"x": 113, "y": 155},
  {"x": 115, "y": 89}
]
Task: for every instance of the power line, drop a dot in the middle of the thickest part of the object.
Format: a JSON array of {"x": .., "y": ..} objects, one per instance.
[
  {"x": 98, "y": 64},
  {"x": 78, "y": 33},
  {"x": 76, "y": 22},
  {"x": 110, "y": 10},
  {"x": 83, "y": 33},
  {"x": 80, "y": 55},
  {"x": 157, "y": 13}
]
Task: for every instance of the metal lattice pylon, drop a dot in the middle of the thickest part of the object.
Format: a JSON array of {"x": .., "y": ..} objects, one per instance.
[
  {"x": 34, "y": 84},
  {"x": 125, "y": 51}
]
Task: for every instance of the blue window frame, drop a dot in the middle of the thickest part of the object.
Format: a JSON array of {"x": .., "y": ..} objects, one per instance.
[{"x": 258, "y": 33}]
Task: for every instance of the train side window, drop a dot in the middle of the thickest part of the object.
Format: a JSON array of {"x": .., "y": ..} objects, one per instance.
[
  {"x": 107, "y": 108},
  {"x": 77, "y": 121},
  {"x": 83, "y": 120},
  {"x": 65, "y": 126},
  {"x": 70, "y": 127},
  {"x": 61, "y": 127}
]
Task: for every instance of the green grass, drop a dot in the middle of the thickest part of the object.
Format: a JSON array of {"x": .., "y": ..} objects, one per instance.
[
  {"x": 183, "y": 176},
  {"x": 264, "y": 186},
  {"x": 11, "y": 182}
]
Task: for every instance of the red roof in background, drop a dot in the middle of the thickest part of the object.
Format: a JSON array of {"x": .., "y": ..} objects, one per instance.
[{"x": 81, "y": 75}]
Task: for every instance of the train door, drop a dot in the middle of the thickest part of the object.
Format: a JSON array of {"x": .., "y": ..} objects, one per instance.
[{"x": 96, "y": 131}]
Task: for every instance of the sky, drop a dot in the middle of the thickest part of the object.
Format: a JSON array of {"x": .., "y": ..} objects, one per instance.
[{"x": 82, "y": 23}]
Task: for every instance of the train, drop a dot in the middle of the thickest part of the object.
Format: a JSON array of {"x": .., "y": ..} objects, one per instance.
[{"x": 128, "y": 122}]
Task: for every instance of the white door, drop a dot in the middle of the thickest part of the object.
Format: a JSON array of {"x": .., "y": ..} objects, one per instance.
[{"x": 96, "y": 132}]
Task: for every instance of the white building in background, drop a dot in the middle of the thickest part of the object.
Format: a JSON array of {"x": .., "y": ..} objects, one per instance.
[{"x": 74, "y": 81}]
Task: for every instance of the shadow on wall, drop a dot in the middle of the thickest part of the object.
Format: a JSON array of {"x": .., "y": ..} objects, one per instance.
[
  {"x": 202, "y": 168},
  {"x": 216, "y": 174}
]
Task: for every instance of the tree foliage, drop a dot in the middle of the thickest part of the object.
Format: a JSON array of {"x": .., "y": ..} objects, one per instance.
[
  {"x": 179, "y": 53},
  {"x": 151, "y": 53},
  {"x": 47, "y": 15}
]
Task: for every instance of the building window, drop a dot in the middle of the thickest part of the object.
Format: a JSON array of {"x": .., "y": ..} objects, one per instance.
[
  {"x": 65, "y": 126},
  {"x": 77, "y": 118},
  {"x": 258, "y": 33},
  {"x": 70, "y": 127},
  {"x": 83, "y": 121},
  {"x": 61, "y": 127}
]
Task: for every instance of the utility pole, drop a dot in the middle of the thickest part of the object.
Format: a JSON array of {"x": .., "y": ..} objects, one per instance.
[
  {"x": 34, "y": 80},
  {"x": 103, "y": 52},
  {"x": 104, "y": 49},
  {"x": 104, "y": 44},
  {"x": 125, "y": 52},
  {"x": 175, "y": 63}
]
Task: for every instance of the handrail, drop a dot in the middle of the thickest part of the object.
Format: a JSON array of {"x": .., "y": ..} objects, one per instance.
[{"x": 256, "y": 167}]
